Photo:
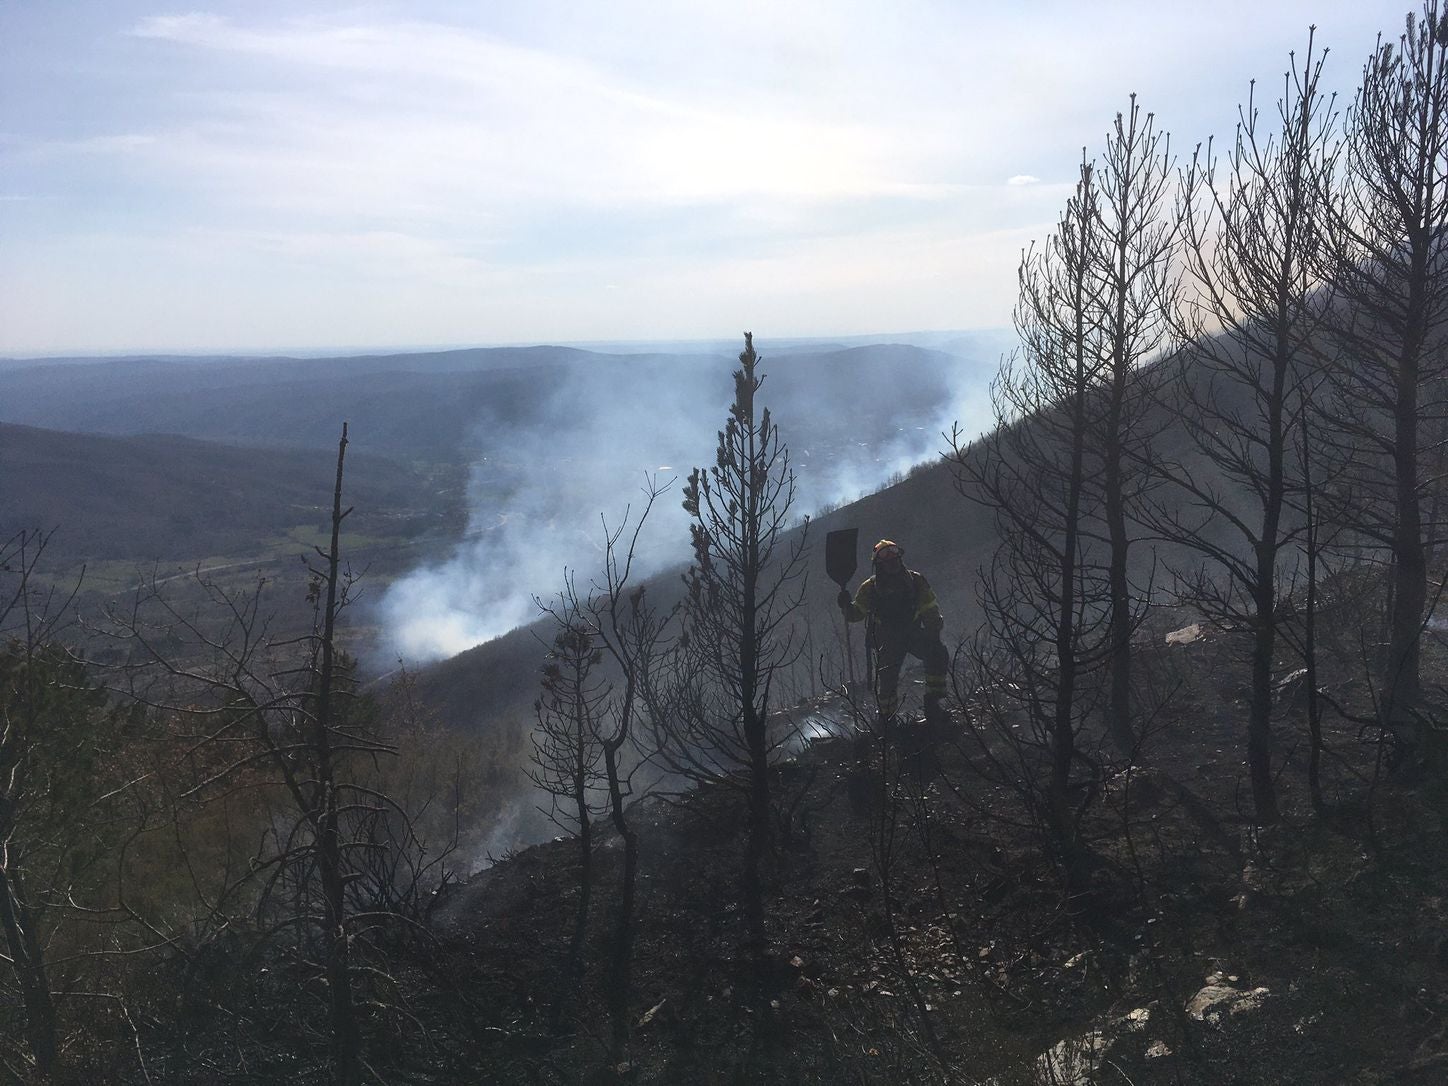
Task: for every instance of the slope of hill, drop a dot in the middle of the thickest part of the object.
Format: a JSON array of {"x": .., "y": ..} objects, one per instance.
[
  {"x": 1200, "y": 949},
  {"x": 919, "y": 930},
  {"x": 945, "y": 537},
  {"x": 177, "y": 498},
  {"x": 1203, "y": 951}
]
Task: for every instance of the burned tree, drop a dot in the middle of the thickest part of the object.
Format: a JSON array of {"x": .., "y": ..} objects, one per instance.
[
  {"x": 1253, "y": 232},
  {"x": 1048, "y": 588},
  {"x": 1385, "y": 258},
  {"x": 745, "y": 582},
  {"x": 634, "y": 635},
  {"x": 1132, "y": 290},
  {"x": 608, "y": 642},
  {"x": 567, "y": 747}
]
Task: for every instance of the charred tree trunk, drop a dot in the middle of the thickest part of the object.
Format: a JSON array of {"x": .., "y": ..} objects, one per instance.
[
  {"x": 1119, "y": 708},
  {"x": 1264, "y": 596},
  {"x": 1134, "y": 289},
  {"x": 760, "y": 837},
  {"x": 1387, "y": 264},
  {"x": 585, "y": 895},
  {"x": 1409, "y": 567},
  {"x": 581, "y": 775},
  {"x": 28, "y": 960},
  {"x": 1259, "y": 712},
  {"x": 1063, "y": 726},
  {"x": 346, "y": 1039},
  {"x": 620, "y": 986},
  {"x": 1309, "y": 629}
]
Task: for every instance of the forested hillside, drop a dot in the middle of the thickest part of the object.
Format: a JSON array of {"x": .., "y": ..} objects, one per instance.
[{"x": 170, "y": 498}]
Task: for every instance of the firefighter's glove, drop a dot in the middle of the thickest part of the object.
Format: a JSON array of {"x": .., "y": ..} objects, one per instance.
[
  {"x": 934, "y": 623},
  {"x": 843, "y": 599}
]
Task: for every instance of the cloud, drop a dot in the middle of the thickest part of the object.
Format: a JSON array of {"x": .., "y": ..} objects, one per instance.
[
  {"x": 120, "y": 144},
  {"x": 437, "y": 115},
  {"x": 1023, "y": 179},
  {"x": 196, "y": 26}
]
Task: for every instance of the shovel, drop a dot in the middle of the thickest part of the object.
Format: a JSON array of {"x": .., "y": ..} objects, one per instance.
[{"x": 840, "y": 563}]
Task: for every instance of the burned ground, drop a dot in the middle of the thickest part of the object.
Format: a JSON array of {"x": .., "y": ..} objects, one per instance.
[{"x": 1203, "y": 950}]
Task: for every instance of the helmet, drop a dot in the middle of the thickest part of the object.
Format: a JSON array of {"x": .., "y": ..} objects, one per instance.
[{"x": 885, "y": 550}]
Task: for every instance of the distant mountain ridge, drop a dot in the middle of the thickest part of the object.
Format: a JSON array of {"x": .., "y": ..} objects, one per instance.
[{"x": 440, "y": 406}]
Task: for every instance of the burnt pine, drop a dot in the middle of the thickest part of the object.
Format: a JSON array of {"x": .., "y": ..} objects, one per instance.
[
  {"x": 1253, "y": 232},
  {"x": 1385, "y": 258},
  {"x": 746, "y": 580}
]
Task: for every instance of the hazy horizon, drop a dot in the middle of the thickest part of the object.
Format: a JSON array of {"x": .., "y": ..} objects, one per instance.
[{"x": 637, "y": 345}]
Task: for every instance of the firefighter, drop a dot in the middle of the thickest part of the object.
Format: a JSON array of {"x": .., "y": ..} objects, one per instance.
[{"x": 904, "y": 619}]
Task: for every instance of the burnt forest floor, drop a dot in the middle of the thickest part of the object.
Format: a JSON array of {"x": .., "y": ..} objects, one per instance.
[{"x": 919, "y": 933}]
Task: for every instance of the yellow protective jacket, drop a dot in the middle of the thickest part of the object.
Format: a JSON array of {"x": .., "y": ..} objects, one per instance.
[{"x": 898, "y": 610}]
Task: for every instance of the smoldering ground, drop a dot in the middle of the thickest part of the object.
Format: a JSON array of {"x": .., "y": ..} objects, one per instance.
[{"x": 851, "y": 419}]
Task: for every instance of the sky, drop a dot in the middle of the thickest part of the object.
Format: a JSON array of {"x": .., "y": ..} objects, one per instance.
[{"x": 264, "y": 176}]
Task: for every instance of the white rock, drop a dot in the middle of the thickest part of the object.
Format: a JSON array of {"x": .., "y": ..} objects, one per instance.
[
  {"x": 1217, "y": 1000},
  {"x": 1186, "y": 635},
  {"x": 1073, "y": 1062},
  {"x": 1137, "y": 1019}
]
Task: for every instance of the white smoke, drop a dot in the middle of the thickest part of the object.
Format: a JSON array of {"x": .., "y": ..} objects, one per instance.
[{"x": 537, "y": 496}]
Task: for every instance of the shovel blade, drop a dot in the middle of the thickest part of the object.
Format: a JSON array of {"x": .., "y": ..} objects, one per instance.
[{"x": 840, "y": 556}]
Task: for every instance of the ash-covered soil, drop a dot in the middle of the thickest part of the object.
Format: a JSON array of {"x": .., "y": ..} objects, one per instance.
[{"x": 919, "y": 932}]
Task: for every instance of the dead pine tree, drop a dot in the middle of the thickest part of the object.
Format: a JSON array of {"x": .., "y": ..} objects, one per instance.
[
  {"x": 322, "y": 802},
  {"x": 635, "y": 636},
  {"x": 746, "y": 581},
  {"x": 608, "y": 642},
  {"x": 1047, "y": 596},
  {"x": 1304, "y": 634},
  {"x": 1253, "y": 229},
  {"x": 567, "y": 748},
  {"x": 1386, "y": 261},
  {"x": 1133, "y": 289}
]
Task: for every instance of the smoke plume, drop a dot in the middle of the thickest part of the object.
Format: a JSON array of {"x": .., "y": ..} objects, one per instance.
[{"x": 852, "y": 420}]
